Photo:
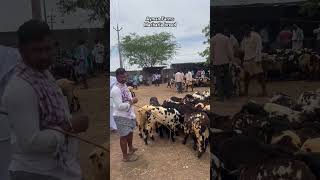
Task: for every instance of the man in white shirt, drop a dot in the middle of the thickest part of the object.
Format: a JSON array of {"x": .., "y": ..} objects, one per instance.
[
  {"x": 189, "y": 79},
  {"x": 98, "y": 54},
  {"x": 179, "y": 80},
  {"x": 38, "y": 151},
  {"x": 252, "y": 48},
  {"x": 317, "y": 33},
  {"x": 140, "y": 79},
  {"x": 297, "y": 38},
  {"x": 221, "y": 57},
  {"x": 124, "y": 115},
  {"x": 154, "y": 78},
  {"x": 157, "y": 79}
]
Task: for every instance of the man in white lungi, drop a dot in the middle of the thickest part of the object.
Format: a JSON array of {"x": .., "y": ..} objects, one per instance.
[{"x": 113, "y": 125}]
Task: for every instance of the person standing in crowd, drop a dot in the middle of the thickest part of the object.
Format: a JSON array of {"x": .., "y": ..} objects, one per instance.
[
  {"x": 113, "y": 126},
  {"x": 179, "y": 80},
  {"x": 82, "y": 54},
  {"x": 317, "y": 33},
  {"x": 297, "y": 37},
  {"x": 158, "y": 77},
  {"x": 252, "y": 48},
  {"x": 222, "y": 56},
  {"x": 141, "y": 79},
  {"x": 265, "y": 38},
  {"x": 91, "y": 64},
  {"x": 285, "y": 37},
  {"x": 124, "y": 114},
  {"x": 98, "y": 54},
  {"x": 235, "y": 45},
  {"x": 233, "y": 40},
  {"x": 203, "y": 74},
  {"x": 155, "y": 79},
  {"x": 198, "y": 74},
  {"x": 189, "y": 83},
  {"x": 9, "y": 57},
  {"x": 39, "y": 152},
  {"x": 135, "y": 81}
]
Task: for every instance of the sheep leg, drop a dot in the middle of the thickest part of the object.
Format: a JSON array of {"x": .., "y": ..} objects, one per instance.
[
  {"x": 172, "y": 137},
  {"x": 140, "y": 132},
  {"x": 160, "y": 129},
  {"x": 195, "y": 142},
  {"x": 185, "y": 138},
  {"x": 199, "y": 143},
  {"x": 146, "y": 134}
]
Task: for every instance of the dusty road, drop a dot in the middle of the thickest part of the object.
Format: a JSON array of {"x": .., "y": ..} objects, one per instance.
[{"x": 94, "y": 103}]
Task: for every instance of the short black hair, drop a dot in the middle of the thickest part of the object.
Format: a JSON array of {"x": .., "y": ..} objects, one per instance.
[
  {"x": 96, "y": 41},
  {"x": 120, "y": 71},
  {"x": 32, "y": 31}
]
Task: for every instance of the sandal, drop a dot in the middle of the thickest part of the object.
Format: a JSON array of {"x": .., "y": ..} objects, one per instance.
[
  {"x": 132, "y": 151},
  {"x": 130, "y": 158}
]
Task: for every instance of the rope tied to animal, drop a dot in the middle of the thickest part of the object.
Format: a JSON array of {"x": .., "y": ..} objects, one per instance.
[{"x": 72, "y": 135}]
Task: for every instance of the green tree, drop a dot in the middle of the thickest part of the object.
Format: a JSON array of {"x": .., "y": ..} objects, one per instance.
[
  {"x": 97, "y": 8},
  {"x": 205, "y": 53},
  {"x": 311, "y": 8},
  {"x": 149, "y": 50}
]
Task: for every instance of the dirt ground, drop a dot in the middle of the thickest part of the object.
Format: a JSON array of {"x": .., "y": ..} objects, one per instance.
[
  {"x": 161, "y": 159},
  {"x": 94, "y": 103}
]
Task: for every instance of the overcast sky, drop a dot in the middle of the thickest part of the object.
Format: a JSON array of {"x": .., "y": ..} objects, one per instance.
[
  {"x": 14, "y": 12},
  {"x": 191, "y": 17}
]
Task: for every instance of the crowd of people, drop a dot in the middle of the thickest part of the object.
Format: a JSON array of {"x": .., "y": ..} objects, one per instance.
[
  {"x": 156, "y": 79},
  {"x": 290, "y": 37},
  {"x": 187, "y": 79},
  {"x": 224, "y": 50},
  {"x": 79, "y": 62}
]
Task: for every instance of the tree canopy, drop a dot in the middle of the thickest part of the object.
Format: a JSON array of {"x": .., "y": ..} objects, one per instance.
[
  {"x": 149, "y": 50},
  {"x": 98, "y": 8},
  {"x": 206, "y": 52}
]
